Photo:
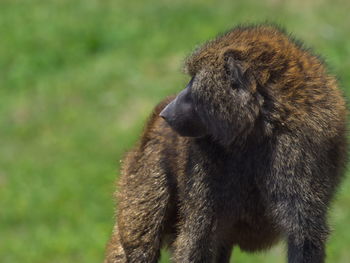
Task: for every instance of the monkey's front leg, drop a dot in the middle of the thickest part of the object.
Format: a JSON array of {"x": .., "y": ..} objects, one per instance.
[
  {"x": 305, "y": 250},
  {"x": 305, "y": 226},
  {"x": 196, "y": 238},
  {"x": 194, "y": 244},
  {"x": 142, "y": 211},
  {"x": 298, "y": 193},
  {"x": 304, "y": 222},
  {"x": 115, "y": 252}
]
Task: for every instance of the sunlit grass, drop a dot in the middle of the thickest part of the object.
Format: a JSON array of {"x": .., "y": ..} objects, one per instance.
[{"x": 77, "y": 81}]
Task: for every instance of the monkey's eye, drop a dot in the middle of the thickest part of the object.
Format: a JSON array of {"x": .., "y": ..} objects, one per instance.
[
  {"x": 189, "y": 88},
  {"x": 189, "y": 85}
]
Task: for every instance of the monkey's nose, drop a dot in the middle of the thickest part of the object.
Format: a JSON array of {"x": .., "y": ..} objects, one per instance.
[
  {"x": 167, "y": 112},
  {"x": 163, "y": 114}
]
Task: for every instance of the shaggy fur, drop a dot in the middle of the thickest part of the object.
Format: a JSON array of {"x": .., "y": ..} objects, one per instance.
[{"x": 267, "y": 170}]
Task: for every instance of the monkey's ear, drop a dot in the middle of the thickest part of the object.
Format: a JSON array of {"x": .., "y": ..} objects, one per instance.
[{"x": 234, "y": 70}]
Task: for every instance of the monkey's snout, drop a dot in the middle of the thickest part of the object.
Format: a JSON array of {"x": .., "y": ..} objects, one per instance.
[
  {"x": 162, "y": 114},
  {"x": 166, "y": 112}
]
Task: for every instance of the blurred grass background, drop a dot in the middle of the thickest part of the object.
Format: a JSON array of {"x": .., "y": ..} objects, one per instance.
[{"x": 77, "y": 81}]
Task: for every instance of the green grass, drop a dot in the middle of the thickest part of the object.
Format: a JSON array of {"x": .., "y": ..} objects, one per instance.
[{"x": 77, "y": 81}]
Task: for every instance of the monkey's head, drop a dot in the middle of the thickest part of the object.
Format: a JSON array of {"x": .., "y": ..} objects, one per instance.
[
  {"x": 218, "y": 101},
  {"x": 243, "y": 81}
]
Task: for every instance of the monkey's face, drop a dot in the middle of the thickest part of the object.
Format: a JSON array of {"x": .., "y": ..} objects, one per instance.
[
  {"x": 227, "y": 98},
  {"x": 220, "y": 100},
  {"x": 181, "y": 114}
]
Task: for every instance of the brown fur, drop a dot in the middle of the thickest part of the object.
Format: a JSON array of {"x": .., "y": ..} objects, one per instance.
[{"x": 268, "y": 169}]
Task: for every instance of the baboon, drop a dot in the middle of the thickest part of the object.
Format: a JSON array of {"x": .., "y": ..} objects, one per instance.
[{"x": 249, "y": 153}]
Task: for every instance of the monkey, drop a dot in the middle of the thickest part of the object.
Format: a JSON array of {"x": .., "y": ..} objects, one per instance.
[{"x": 250, "y": 153}]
